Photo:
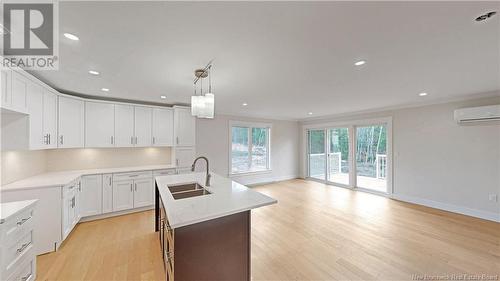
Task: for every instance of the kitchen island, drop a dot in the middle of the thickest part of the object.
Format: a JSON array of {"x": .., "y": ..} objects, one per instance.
[{"x": 205, "y": 230}]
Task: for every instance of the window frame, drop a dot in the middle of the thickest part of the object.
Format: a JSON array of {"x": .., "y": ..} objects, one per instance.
[{"x": 250, "y": 125}]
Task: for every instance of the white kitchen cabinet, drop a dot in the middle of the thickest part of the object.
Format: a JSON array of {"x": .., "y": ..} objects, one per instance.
[
  {"x": 37, "y": 140},
  {"x": 163, "y": 127},
  {"x": 5, "y": 87},
  {"x": 99, "y": 124},
  {"x": 123, "y": 195},
  {"x": 107, "y": 193},
  {"x": 184, "y": 156},
  {"x": 70, "y": 207},
  {"x": 71, "y": 118},
  {"x": 19, "y": 92},
  {"x": 91, "y": 195},
  {"x": 143, "y": 192},
  {"x": 143, "y": 123},
  {"x": 184, "y": 127},
  {"x": 50, "y": 118},
  {"x": 124, "y": 125}
]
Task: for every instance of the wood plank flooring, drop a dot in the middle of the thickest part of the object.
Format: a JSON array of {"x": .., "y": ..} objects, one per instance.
[{"x": 315, "y": 232}]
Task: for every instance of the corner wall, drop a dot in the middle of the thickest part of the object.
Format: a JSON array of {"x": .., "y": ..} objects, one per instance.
[
  {"x": 212, "y": 141},
  {"x": 441, "y": 164}
]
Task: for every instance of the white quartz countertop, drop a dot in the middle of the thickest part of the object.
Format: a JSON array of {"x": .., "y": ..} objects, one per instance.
[
  {"x": 12, "y": 208},
  {"x": 227, "y": 197},
  {"x": 65, "y": 177}
]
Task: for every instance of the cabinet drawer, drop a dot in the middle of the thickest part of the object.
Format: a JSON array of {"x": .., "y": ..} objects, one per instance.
[
  {"x": 15, "y": 253},
  {"x": 25, "y": 273},
  {"x": 18, "y": 226},
  {"x": 164, "y": 172},
  {"x": 132, "y": 176}
]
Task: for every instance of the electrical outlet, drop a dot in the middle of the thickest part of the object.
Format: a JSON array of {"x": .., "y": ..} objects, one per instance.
[{"x": 493, "y": 197}]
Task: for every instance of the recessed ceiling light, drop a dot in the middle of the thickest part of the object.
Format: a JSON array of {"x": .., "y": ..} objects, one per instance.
[
  {"x": 105, "y": 89},
  {"x": 422, "y": 94},
  {"x": 245, "y": 104},
  {"x": 359, "y": 63},
  {"x": 309, "y": 113},
  {"x": 163, "y": 97},
  {"x": 71, "y": 36},
  {"x": 93, "y": 72}
]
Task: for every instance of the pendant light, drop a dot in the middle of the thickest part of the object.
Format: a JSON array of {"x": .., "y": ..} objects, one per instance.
[{"x": 203, "y": 105}]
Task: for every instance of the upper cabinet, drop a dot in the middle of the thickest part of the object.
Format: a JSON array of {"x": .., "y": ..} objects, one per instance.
[
  {"x": 71, "y": 112},
  {"x": 184, "y": 127},
  {"x": 19, "y": 92},
  {"x": 50, "y": 118},
  {"x": 163, "y": 127},
  {"x": 5, "y": 87},
  {"x": 124, "y": 125},
  {"x": 142, "y": 125},
  {"x": 99, "y": 124}
]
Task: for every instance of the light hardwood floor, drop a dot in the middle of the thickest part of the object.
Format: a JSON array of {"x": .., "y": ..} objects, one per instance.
[{"x": 315, "y": 232}]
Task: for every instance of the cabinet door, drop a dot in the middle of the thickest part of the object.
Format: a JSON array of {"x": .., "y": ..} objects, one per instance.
[
  {"x": 35, "y": 110},
  {"x": 77, "y": 206},
  {"x": 163, "y": 127},
  {"x": 143, "y": 192},
  {"x": 107, "y": 193},
  {"x": 50, "y": 118},
  {"x": 184, "y": 156},
  {"x": 124, "y": 125},
  {"x": 71, "y": 112},
  {"x": 99, "y": 124},
  {"x": 5, "y": 75},
  {"x": 91, "y": 195},
  {"x": 19, "y": 92},
  {"x": 143, "y": 123},
  {"x": 185, "y": 126},
  {"x": 123, "y": 195}
]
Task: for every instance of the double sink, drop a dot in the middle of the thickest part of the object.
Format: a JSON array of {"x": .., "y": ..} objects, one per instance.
[{"x": 187, "y": 190}]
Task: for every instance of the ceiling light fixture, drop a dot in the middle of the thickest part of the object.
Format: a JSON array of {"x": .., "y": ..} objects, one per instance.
[
  {"x": 93, "y": 72},
  {"x": 309, "y": 113},
  {"x": 203, "y": 105},
  {"x": 71, "y": 36},
  {"x": 423, "y": 94},
  {"x": 105, "y": 89},
  {"x": 245, "y": 104},
  {"x": 163, "y": 97},
  {"x": 486, "y": 16},
  {"x": 359, "y": 63}
]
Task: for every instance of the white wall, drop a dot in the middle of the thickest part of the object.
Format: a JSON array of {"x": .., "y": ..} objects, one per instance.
[
  {"x": 212, "y": 141},
  {"x": 440, "y": 163}
]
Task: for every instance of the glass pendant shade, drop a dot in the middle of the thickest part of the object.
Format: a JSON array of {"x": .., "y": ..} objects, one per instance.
[
  {"x": 197, "y": 102},
  {"x": 207, "y": 111}
]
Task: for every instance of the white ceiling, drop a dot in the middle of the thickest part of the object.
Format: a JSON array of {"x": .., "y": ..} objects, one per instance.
[{"x": 284, "y": 59}]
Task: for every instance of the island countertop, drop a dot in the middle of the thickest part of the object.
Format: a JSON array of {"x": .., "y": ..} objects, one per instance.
[{"x": 226, "y": 198}]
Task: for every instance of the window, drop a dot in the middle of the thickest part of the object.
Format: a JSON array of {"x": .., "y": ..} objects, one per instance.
[{"x": 250, "y": 147}]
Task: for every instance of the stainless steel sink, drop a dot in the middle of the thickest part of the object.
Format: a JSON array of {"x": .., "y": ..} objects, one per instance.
[{"x": 187, "y": 190}]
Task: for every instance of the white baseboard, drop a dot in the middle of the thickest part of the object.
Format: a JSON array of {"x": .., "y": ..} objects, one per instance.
[
  {"x": 492, "y": 216},
  {"x": 268, "y": 180},
  {"x": 114, "y": 214}
]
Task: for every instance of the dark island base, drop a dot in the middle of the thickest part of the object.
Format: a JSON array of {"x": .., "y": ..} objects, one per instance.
[{"x": 217, "y": 249}]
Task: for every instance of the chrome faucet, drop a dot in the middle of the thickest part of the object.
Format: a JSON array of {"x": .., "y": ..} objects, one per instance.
[{"x": 207, "y": 180}]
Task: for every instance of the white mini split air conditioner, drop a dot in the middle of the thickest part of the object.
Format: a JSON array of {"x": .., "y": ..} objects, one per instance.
[{"x": 477, "y": 114}]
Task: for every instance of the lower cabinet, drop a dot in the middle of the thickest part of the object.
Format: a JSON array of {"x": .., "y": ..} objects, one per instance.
[
  {"x": 91, "y": 195},
  {"x": 107, "y": 193},
  {"x": 70, "y": 207},
  {"x": 143, "y": 193},
  {"x": 123, "y": 195}
]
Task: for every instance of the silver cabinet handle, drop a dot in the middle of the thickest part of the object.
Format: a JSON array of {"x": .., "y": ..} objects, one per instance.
[
  {"x": 26, "y": 277},
  {"x": 49, "y": 139},
  {"x": 131, "y": 140},
  {"x": 135, "y": 186},
  {"x": 80, "y": 186},
  {"x": 109, "y": 181},
  {"x": 24, "y": 246},
  {"x": 135, "y": 140},
  {"x": 177, "y": 140},
  {"x": 133, "y": 176},
  {"x": 154, "y": 140},
  {"x": 177, "y": 162},
  {"x": 44, "y": 139},
  {"x": 22, "y": 221},
  {"x": 131, "y": 188},
  {"x": 61, "y": 139},
  {"x": 112, "y": 140}
]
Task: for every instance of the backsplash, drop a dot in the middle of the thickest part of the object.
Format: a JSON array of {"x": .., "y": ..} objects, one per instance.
[{"x": 17, "y": 165}]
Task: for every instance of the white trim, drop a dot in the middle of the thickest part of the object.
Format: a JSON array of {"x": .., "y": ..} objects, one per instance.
[
  {"x": 114, "y": 214},
  {"x": 492, "y": 216},
  {"x": 249, "y": 125}
]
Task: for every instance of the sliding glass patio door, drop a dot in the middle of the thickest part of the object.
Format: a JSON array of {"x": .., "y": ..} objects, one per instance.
[
  {"x": 338, "y": 155},
  {"x": 317, "y": 154},
  {"x": 371, "y": 157},
  {"x": 355, "y": 156}
]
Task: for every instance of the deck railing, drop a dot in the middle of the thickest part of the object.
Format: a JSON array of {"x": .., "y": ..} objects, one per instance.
[{"x": 381, "y": 166}]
